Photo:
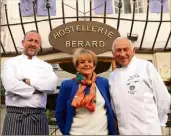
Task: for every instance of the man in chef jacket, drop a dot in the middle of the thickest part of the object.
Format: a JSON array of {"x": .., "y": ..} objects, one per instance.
[
  {"x": 139, "y": 96},
  {"x": 27, "y": 81}
]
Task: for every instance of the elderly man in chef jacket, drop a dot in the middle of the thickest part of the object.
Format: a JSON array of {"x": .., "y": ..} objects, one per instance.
[{"x": 139, "y": 96}]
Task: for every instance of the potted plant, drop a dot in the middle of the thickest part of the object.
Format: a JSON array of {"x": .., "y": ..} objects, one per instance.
[
  {"x": 168, "y": 85},
  {"x": 49, "y": 115},
  {"x": 2, "y": 93}
]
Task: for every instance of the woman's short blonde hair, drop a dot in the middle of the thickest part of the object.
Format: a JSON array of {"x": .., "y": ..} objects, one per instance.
[{"x": 85, "y": 53}]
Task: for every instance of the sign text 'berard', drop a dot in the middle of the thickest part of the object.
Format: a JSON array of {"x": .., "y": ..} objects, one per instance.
[{"x": 92, "y": 35}]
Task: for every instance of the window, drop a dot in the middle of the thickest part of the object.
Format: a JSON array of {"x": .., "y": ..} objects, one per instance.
[
  {"x": 116, "y": 2},
  {"x": 139, "y": 6},
  {"x": 127, "y": 6}
]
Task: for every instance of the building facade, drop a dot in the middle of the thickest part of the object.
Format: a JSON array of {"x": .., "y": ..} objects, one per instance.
[{"x": 150, "y": 32}]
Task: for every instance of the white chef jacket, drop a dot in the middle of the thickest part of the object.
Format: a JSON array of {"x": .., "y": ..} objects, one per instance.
[
  {"x": 140, "y": 98},
  {"x": 42, "y": 78}
]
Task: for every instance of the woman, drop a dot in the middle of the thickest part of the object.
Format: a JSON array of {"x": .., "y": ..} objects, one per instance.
[{"x": 83, "y": 104}]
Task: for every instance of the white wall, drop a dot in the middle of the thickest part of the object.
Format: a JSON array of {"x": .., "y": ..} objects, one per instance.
[
  {"x": 13, "y": 15},
  {"x": 163, "y": 64}
]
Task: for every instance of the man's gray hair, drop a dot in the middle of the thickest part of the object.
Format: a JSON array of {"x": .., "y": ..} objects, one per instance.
[
  {"x": 121, "y": 38},
  {"x": 29, "y": 32}
]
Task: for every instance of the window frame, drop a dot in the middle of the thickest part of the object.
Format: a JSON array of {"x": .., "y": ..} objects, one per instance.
[{"x": 131, "y": 3}]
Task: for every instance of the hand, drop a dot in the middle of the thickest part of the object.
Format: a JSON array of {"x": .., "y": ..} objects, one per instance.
[
  {"x": 27, "y": 81},
  {"x": 116, "y": 127},
  {"x": 37, "y": 92}
]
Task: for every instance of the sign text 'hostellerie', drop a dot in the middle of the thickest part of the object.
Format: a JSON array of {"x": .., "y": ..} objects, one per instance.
[
  {"x": 83, "y": 28},
  {"x": 92, "y": 35}
]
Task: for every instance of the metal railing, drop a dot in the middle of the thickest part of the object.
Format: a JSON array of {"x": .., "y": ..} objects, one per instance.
[
  {"x": 90, "y": 17},
  {"x": 53, "y": 130}
]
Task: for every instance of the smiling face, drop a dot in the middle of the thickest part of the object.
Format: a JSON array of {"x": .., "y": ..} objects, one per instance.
[
  {"x": 85, "y": 65},
  {"x": 123, "y": 51},
  {"x": 31, "y": 44}
]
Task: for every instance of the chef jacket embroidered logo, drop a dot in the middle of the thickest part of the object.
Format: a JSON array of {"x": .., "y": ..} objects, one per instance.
[{"x": 132, "y": 82}]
